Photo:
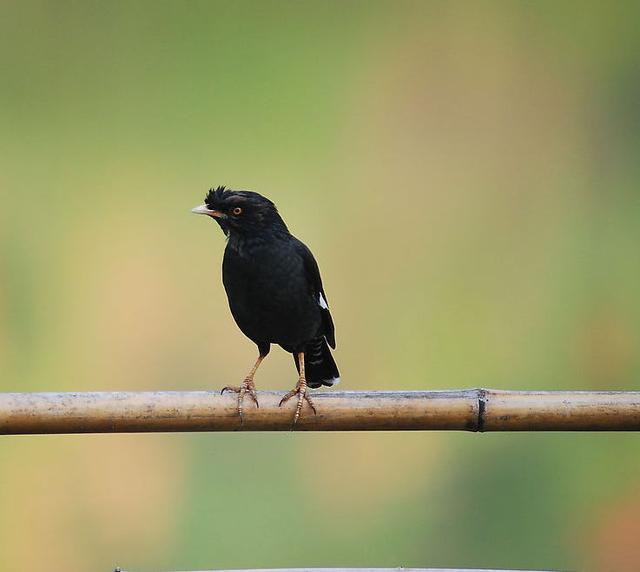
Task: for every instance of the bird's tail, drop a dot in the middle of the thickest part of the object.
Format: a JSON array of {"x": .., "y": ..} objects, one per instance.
[{"x": 319, "y": 365}]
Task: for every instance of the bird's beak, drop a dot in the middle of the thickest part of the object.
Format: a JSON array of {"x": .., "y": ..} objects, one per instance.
[{"x": 204, "y": 209}]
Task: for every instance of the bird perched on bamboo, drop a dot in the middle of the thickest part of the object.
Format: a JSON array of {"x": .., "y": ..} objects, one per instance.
[{"x": 275, "y": 292}]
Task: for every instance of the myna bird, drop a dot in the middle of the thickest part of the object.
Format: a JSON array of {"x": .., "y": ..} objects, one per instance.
[{"x": 275, "y": 291}]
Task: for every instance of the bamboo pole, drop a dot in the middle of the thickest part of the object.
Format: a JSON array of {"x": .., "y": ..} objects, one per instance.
[
  {"x": 360, "y": 570},
  {"x": 466, "y": 410}
]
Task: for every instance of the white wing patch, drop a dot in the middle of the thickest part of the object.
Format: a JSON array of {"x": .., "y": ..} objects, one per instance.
[
  {"x": 328, "y": 382},
  {"x": 322, "y": 302}
]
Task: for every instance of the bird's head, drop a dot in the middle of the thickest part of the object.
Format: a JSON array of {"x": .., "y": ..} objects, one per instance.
[{"x": 241, "y": 212}]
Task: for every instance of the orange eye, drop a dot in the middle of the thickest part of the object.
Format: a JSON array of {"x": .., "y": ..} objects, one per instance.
[{"x": 237, "y": 211}]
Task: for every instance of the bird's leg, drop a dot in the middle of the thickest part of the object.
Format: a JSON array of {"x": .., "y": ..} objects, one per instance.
[
  {"x": 247, "y": 387},
  {"x": 301, "y": 390}
]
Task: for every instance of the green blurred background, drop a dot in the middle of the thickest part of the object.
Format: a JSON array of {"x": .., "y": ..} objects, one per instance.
[{"x": 467, "y": 175}]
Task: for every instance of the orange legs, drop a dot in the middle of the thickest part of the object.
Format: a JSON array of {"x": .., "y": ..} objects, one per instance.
[
  {"x": 247, "y": 387},
  {"x": 301, "y": 390}
]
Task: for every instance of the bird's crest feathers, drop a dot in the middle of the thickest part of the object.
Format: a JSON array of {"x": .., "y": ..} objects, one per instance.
[
  {"x": 215, "y": 194},
  {"x": 222, "y": 194}
]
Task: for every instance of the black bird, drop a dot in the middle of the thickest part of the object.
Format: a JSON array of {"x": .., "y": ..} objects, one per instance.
[{"x": 275, "y": 291}]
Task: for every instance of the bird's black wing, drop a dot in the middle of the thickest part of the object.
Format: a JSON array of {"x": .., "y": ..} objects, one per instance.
[{"x": 315, "y": 282}]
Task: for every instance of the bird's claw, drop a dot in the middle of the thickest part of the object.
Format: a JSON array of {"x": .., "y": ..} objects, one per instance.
[
  {"x": 302, "y": 391},
  {"x": 244, "y": 390},
  {"x": 247, "y": 388}
]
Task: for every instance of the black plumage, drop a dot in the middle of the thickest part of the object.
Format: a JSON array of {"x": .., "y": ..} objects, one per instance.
[{"x": 274, "y": 289}]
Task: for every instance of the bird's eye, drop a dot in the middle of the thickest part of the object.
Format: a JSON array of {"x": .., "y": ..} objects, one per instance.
[{"x": 237, "y": 211}]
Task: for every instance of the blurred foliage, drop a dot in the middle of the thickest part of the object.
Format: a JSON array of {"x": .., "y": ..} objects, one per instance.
[{"x": 467, "y": 174}]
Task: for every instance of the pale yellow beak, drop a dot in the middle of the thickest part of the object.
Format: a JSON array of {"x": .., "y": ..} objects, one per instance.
[{"x": 204, "y": 209}]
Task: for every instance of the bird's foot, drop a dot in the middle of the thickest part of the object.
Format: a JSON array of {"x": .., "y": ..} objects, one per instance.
[
  {"x": 302, "y": 391},
  {"x": 247, "y": 388}
]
